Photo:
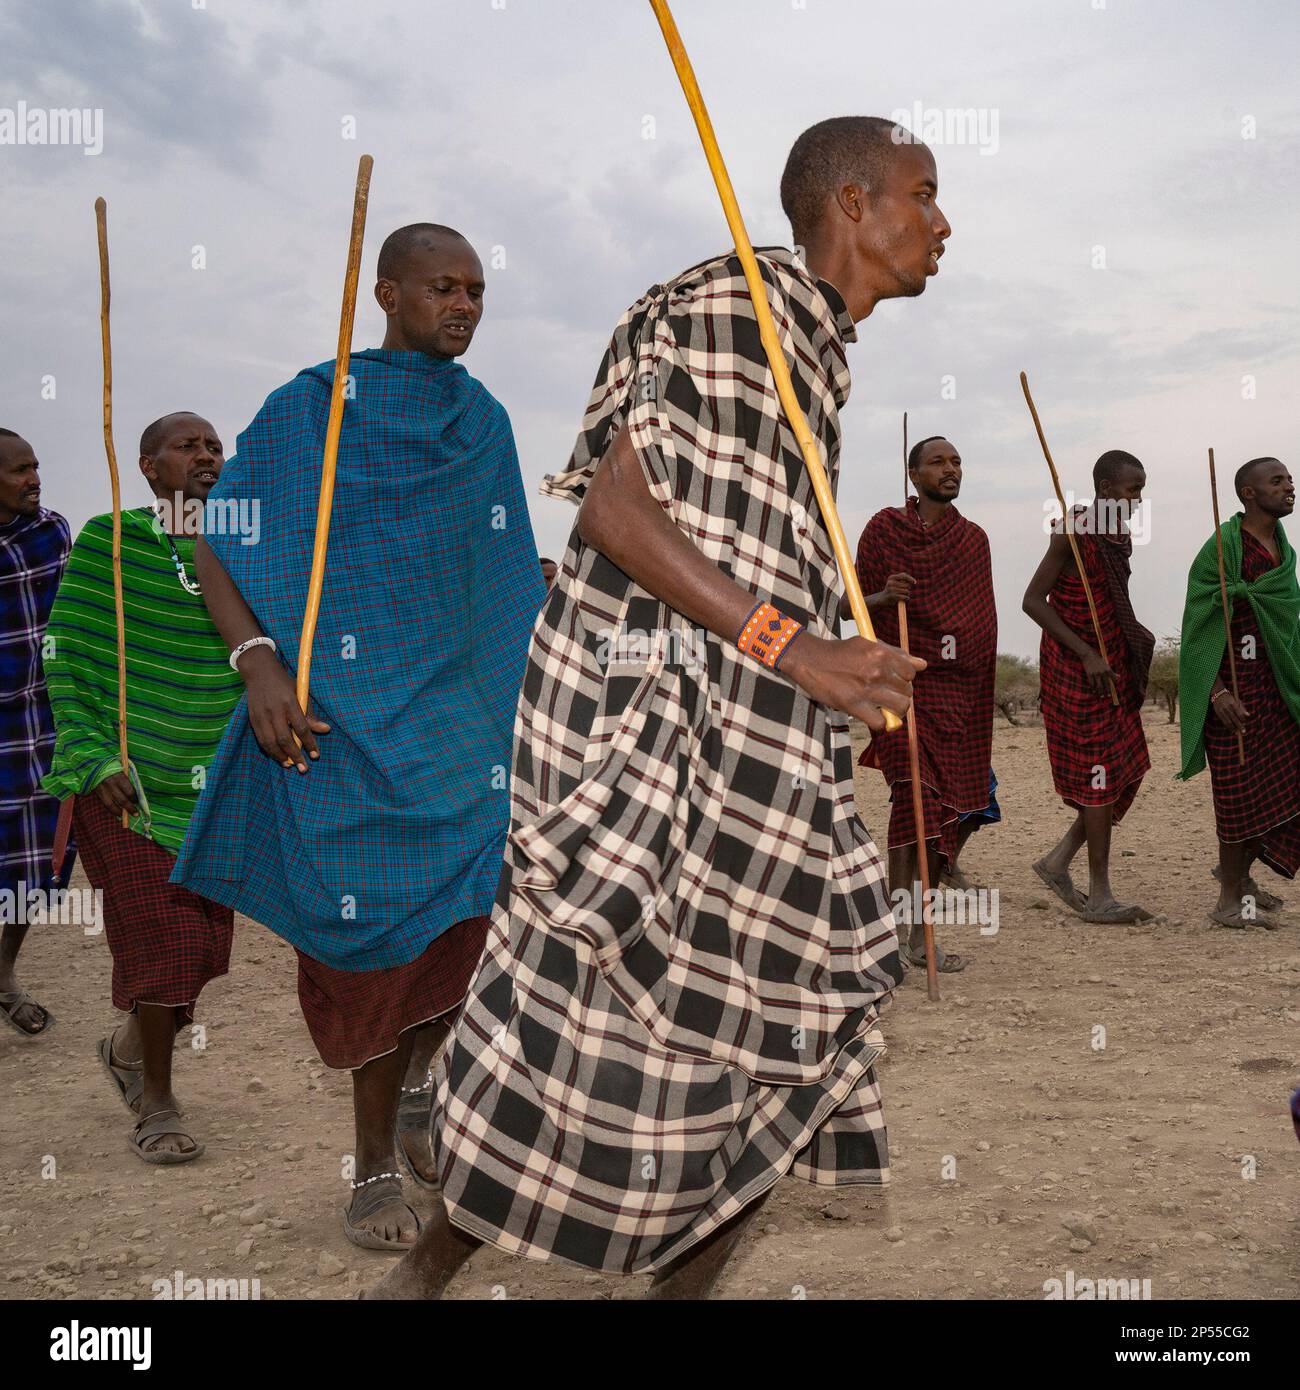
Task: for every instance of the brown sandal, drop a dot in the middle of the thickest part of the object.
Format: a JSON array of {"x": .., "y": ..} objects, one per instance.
[{"x": 154, "y": 1127}]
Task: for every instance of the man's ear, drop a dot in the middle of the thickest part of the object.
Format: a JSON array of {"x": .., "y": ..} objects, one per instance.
[
  {"x": 385, "y": 297},
  {"x": 148, "y": 469},
  {"x": 851, "y": 200}
]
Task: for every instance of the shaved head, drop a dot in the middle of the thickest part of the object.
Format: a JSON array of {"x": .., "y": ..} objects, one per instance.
[
  {"x": 1112, "y": 466},
  {"x": 830, "y": 154},
  {"x": 430, "y": 287},
  {"x": 917, "y": 449},
  {"x": 155, "y": 435},
  {"x": 1247, "y": 472},
  {"x": 400, "y": 245}
]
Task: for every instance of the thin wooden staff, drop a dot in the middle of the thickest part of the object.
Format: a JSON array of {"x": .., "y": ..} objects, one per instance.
[
  {"x": 333, "y": 428},
  {"x": 767, "y": 330},
  {"x": 918, "y": 801},
  {"x": 1069, "y": 535},
  {"x": 905, "y": 479},
  {"x": 101, "y": 228},
  {"x": 1227, "y": 614}
]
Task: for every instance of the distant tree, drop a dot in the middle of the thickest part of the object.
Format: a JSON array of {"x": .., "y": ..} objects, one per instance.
[
  {"x": 1015, "y": 686},
  {"x": 1163, "y": 680}
]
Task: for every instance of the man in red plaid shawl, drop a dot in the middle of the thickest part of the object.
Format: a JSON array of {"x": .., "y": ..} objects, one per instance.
[
  {"x": 928, "y": 555},
  {"x": 678, "y": 1000},
  {"x": 1097, "y": 748}
]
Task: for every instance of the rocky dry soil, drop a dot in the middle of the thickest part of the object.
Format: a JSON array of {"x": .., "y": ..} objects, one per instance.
[{"x": 1022, "y": 1148}]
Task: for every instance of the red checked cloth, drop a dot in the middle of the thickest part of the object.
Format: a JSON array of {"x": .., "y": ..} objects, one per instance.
[
  {"x": 1098, "y": 750},
  {"x": 1261, "y": 799},
  {"x": 952, "y": 622}
]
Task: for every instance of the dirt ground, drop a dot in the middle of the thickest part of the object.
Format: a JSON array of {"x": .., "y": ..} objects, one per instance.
[{"x": 1021, "y": 1148}]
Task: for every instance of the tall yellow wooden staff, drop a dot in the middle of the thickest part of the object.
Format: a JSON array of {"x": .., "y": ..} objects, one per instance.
[
  {"x": 918, "y": 800},
  {"x": 101, "y": 227},
  {"x": 333, "y": 428},
  {"x": 767, "y": 330}
]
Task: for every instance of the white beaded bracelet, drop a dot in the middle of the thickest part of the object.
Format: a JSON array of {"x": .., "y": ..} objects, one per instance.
[{"x": 247, "y": 646}]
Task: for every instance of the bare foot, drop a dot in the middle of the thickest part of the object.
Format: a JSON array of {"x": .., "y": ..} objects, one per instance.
[{"x": 402, "y": 1282}]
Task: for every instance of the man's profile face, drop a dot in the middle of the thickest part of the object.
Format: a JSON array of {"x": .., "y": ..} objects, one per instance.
[
  {"x": 437, "y": 296},
  {"x": 1274, "y": 491},
  {"x": 1127, "y": 488},
  {"x": 20, "y": 482},
  {"x": 937, "y": 474},
  {"x": 188, "y": 461},
  {"x": 902, "y": 229}
]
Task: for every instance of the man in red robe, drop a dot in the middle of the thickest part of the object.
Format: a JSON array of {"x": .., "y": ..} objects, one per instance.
[
  {"x": 1095, "y": 741},
  {"x": 931, "y": 556}
]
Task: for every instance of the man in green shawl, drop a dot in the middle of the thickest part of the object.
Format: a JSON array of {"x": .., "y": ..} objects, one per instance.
[
  {"x": 166, "y": 941},
  {"x": 1250, "y": 736}
]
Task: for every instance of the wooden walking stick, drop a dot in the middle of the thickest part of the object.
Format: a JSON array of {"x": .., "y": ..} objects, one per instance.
[
  {"x": 1227, "y": 615},
  {"x": 905, "y": 480},
  {"x": 333, "y": 428},
  {"x": 767, "y": 330},
  {"x": 101, "y": 228},
  {"x": 918, "y": 801},
  {"x": 1069, "y": 535}
]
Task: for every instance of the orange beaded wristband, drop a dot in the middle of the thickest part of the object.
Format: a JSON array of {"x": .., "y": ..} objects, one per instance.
[{"x": 766, "y": 635}]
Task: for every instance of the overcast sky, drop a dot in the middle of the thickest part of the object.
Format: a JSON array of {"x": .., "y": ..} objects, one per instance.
[{"x": 1159, "y": 136}]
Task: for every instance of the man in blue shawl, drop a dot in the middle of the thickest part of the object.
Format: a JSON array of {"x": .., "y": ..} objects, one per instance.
[{"x": 375, "y": 846}]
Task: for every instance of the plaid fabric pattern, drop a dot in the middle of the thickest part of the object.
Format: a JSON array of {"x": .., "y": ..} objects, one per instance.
[
  {"x": 691, "y": 938},
  {"x": 33, "y": 552},
  {"x": 1114, "y": 556},
  {"x": 952, "y": 622},
  {"x": 166, "y": 942},
  {"x": 354, "y": 1016},
  {"x": 431, "y": 587},
  {"x": 1261, "y": 799},
  {"x": 1098, "y": 751}
]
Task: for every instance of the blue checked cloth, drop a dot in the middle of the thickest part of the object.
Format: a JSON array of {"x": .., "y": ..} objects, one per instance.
[
  {"x": 431, "y": 589},
  {"x": 33, "y": 553}
]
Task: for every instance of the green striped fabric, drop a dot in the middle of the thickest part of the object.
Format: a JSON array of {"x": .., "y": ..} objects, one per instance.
[{"x": 180, "y": 690}]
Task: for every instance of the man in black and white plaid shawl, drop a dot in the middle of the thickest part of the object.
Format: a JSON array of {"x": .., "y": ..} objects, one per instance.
[{"x": 678, "y": 999}]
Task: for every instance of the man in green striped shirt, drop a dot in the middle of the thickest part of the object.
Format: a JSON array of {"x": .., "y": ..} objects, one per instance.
[{"x": 166, "y": 941}]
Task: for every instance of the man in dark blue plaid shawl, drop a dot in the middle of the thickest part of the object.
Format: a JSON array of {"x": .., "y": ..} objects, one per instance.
[
  {"x": 376, "y": 847},
  {"x": 34, "y": 547}
]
